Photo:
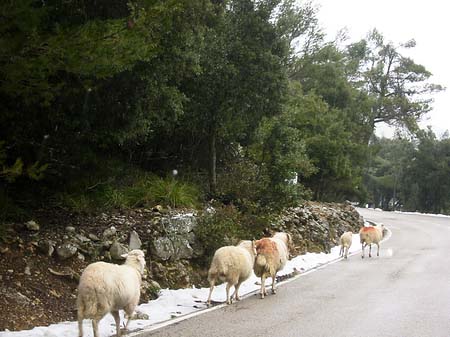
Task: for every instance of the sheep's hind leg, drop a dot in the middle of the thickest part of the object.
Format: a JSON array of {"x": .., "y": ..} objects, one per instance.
[
  {"x": 95, "y": 327},
  {"x": 211, "y": 287},
  {"x": 229, "y": 300},
  {"x": 370, "y": 250},
  {"x": 116, "y": 316},
  {"x": 274, "y": 290},
  {"x": 263, "y": 286},
  {"x": 80, "y": 326},
  {"x": 236, "y": 290}
]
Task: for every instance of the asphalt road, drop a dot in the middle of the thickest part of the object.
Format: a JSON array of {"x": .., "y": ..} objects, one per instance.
[{"x": 405, "y": 292}]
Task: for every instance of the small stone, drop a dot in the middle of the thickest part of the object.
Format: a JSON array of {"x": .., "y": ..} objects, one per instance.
[
  {"x": 66, "y": 250},
  {"x": 158, "y": 208},
  {"x": 70, "y": 229},
  {"x": 135, "y": 241},
  {"x": 117, "y": 250},
  {"x": 107, "y": 233},
  {"x": 46, "y": 247},
  {"x": 93, "y": 237},
  {"x": 32, "y": 225},
  {"x": 27, "y": 271}
]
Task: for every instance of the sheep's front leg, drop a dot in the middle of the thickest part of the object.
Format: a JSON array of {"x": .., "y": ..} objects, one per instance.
[
  {"x": 117, "y": 320},
  {"x": 378, "y": 250},
  {"x": 362, "y": 250},
  {"x": 341, "y": 252},
  {"x": 370, "y": 250}
]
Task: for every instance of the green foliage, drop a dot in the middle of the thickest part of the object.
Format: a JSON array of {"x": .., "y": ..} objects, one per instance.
[
  {"x": 220, "y": 228},
  {"x": 142, "y": 190},
  {"x": 172, "y": 192},
  {"x": 94, "y": 93}
]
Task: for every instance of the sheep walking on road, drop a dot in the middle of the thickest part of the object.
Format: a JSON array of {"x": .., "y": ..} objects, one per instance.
[
  {"x": 371, "y": 235},
  {"x": 107, "y": 288},
  {"x": 345, "y": 241},
  {"x": 271, "y": 256},
  {"x": 233, "y": 265}
]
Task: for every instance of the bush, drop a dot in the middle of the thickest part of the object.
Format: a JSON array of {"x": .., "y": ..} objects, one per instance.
[{"x": 220, "y": 228}]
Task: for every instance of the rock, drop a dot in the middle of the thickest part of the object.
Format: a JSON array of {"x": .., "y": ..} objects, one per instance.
[
  {"x": 182, "y": 248},
  {"x": 46, "y": 247},
  {"x": 158, "y": 208},
  {"x": 135, "y": 241},
  {"x": 70, "y": 229},
  {"x": 27, "y": 271},
  {"x": 93, "y": 237},
  {"x": 32, "y": 225},
  {"x": 82, "y": 238},
  {"x": 179, "y": 224},
  {"x": 117, "y": 250},
  {"x": 66, "y": 251},
  {"x": 163, "y": 248},
  {"x": 109, "y": 232}
]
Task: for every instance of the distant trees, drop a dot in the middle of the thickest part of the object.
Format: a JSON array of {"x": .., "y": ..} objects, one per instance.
[{"x": 411, "y": 175}]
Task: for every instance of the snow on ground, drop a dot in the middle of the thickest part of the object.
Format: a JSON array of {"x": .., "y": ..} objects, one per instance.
[{"x": 178, "y": 303}]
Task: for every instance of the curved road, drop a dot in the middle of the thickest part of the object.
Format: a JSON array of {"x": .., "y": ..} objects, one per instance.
[{"x": 403, "y": 293}]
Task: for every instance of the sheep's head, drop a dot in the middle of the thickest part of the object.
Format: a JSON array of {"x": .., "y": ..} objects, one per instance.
[{"x": 136, "y": 256}]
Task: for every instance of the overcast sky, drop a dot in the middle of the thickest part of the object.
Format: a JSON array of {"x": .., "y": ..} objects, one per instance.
[{"x": 427, "y": 22}]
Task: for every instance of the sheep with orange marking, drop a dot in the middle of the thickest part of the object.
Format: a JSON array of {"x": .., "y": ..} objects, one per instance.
[
  {"x": 371, "y": 235},
  {"x": 271, "y": 256},
  {"x": 231, "y": 264},
  {"x": 345, "y": 241}
]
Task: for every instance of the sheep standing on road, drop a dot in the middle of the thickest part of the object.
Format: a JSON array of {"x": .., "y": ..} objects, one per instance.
[
  {"x": 231, "y": 264},
  {"x": 371, "y": 235},
  {"x": 106, "y": 287},
  {"x": 271, "y": 256},
  {"x": 345, "y": 241}
]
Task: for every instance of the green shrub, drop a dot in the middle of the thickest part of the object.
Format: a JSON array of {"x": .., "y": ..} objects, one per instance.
[
  {"x": 173, "y": 192},
  {"x": 220, "y": 228}
]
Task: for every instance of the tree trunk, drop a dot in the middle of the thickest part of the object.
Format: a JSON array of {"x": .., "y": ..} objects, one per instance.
[{"x": 212, "y": 163}]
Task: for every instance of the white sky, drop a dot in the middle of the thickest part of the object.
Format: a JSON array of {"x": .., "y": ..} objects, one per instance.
[{"x": 399, "y": 21}]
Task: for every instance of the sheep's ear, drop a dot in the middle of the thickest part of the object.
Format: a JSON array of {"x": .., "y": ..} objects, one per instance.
[{"x": 125, "y": 255}]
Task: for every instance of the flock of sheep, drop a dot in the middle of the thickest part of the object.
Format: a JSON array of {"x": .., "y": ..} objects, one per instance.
[{"x": 107, "y": 288}]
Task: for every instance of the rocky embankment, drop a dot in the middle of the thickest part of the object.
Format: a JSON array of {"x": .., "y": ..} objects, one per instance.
[{"x": 41, "y": 260}]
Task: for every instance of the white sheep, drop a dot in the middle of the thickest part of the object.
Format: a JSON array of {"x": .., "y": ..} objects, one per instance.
[
  {"x": 369, "y": 235},
  {"x": 107, "y": 288},
  {"x": 345, "y": 241},
  {"x": 231, "y": 264},
  {"x": 271, "y": 256}
]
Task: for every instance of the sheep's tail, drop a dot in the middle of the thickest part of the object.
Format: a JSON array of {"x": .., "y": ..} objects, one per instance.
[
  {"x": 261, "y": 265},
  {"x": 215, "y": 274},
  {"x": 87, "y": 305}
]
